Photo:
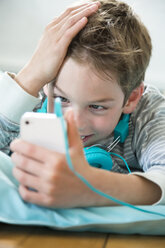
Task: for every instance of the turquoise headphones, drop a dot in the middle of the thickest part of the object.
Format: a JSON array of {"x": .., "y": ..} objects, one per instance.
[{"x": 97, "y": 156}]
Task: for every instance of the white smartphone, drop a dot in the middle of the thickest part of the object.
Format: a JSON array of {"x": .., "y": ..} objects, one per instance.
[{"x": 43, "y": 129}]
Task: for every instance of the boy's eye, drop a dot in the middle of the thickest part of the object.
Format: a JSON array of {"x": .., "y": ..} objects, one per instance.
[
  {"x": 97, "y": 107},
  {"x": 63, "y": 99}
]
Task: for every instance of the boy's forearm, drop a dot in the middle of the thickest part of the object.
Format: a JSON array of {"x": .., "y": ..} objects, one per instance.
[
  {"x": 11, "y": 95},
  {"x": 132, "y": 189},
  {"x": 28, "y": 82}
]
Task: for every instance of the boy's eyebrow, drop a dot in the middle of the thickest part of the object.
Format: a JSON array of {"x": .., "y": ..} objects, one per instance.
[
  {"x": 96, "y": 101},
  {"x": 105, "y": 100},
  {"x": 59, "y": 89}
]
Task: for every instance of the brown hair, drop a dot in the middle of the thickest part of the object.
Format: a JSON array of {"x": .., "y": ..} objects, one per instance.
[{"x": 114, "y": 41}]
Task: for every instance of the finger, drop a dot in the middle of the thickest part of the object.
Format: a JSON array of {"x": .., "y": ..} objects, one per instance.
[
  {"x": 63, "y": 15},
  {"x": 83, "y": 11},
  {"x": 71, "y": 10},
  {"x": 73, "y": 135},
  {"x": 34, "y": 197},
  {"x": 72, "y": 32},
  {"x": 71, "y": 20},
  {"x": 27, "y": 164},
  {"x": 32, "y": 151},
  {"x": 68, "y": 28},
  {"x": 26, "y": 179},
  {"x": 73, "y": 24},
  {"x": 44, "y": 185}
]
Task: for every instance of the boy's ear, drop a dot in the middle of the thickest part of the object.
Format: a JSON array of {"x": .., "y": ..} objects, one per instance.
[{"x": 133, "y": 99}]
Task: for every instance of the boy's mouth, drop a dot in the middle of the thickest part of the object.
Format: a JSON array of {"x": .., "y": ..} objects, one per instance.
[{"x": 86, "y": 137}]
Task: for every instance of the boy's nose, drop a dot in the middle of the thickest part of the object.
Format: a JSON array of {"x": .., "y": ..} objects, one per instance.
[{"x": 81, "y": 119}]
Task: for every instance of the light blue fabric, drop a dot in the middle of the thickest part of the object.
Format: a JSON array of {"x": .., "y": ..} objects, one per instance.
[{"x": 102, "y": 219}]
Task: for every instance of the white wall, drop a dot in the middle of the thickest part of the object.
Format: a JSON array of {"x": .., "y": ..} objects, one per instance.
[
  {"x": 22, "y": 23},
  {"x": 152, "y": 13}
]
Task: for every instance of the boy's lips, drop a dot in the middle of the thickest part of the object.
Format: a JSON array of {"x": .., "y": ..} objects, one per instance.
[{"x": 86, "y": 137}]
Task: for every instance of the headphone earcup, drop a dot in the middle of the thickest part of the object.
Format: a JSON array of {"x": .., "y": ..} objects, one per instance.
[
  {"x": 98, "y": 157},
  {"x": 43, "y": 109}
]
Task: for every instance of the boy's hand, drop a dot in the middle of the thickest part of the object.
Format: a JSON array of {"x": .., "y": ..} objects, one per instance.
[
  {"x": 52, "y": 48},
  {"x": 48, "y": 173}
]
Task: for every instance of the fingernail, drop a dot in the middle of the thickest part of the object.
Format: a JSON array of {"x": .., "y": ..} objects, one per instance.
[{"x": 96, "y": 3}]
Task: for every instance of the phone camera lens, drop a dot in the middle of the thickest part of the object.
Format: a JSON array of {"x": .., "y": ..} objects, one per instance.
[{"x": 27, "y": 122}]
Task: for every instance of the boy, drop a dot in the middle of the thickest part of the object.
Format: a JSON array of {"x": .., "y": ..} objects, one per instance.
[{"x": 99, "y": 66}]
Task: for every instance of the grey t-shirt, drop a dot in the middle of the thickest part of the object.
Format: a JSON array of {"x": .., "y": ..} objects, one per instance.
[{"x": 144, "y": 148}]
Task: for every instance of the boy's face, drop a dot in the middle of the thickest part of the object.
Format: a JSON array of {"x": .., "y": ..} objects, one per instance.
[{"x": 97, "y": 104}]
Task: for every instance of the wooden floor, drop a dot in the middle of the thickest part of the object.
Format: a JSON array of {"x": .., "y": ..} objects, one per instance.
[{"x": 12, "y": 236}]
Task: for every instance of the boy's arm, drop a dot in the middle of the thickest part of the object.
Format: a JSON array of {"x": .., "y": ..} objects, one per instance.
[
  {"x": 57, "y": 186},
  {"x": 133, "y": 189},
  {"x": 51, "y": 51},
  {"x": 17, "y": 98},
  {"x": 14, "y": 101},
  {"x": 149, "y": 140}
]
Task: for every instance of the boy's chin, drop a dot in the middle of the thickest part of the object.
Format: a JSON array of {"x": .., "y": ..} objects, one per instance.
[
  {"x": 96, "y": 140},
  {"x": 90, "y": 142}
]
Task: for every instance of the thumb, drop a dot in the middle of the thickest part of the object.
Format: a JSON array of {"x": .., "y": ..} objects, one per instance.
[{"x": 73, "y": 135}]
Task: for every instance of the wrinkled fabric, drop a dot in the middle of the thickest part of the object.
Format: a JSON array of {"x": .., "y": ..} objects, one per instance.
[{"x": 120, "y": 219}]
